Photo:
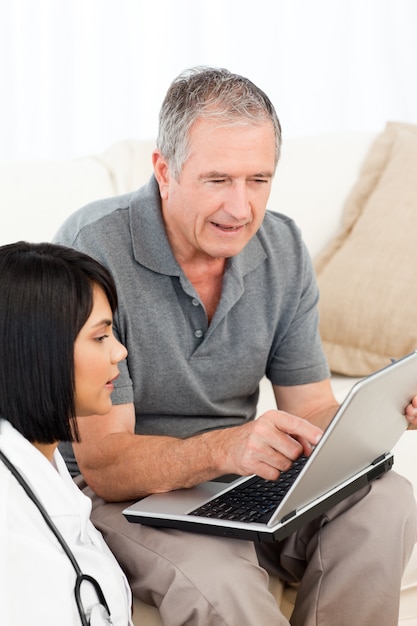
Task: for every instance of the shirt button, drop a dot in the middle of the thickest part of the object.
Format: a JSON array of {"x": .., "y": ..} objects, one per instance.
[
  {"x": 198, "y": 333},
  {"x": 195, "y": 302}
]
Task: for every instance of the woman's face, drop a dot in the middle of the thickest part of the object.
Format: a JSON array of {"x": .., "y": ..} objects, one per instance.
[{"x": 96, "y": 355}]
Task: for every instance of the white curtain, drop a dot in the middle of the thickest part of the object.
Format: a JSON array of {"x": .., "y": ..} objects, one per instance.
[{"x": 77, "y": 75}]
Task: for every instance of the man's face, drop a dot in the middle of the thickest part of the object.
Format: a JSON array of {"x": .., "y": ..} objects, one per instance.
[{"x": 219, "y": 201}]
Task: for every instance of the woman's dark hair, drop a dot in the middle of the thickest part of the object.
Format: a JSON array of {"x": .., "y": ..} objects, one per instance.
[{"x": 46, "y": 296}]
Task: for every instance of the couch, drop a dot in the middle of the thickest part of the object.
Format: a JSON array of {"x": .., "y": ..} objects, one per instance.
[{"x": 345, "y": 190}]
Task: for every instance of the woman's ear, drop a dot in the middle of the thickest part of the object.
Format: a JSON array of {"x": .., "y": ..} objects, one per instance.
[{"x": 162, "y": 173}]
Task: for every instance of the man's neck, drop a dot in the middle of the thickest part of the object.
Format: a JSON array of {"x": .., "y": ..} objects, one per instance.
[{"x": 207, "y": 280}]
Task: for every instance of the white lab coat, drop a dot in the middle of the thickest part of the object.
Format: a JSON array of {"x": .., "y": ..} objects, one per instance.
[{"x": 36, "y": 577}]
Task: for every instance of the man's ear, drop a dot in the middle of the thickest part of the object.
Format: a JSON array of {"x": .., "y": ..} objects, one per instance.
[{"x": 162, "y": 173}]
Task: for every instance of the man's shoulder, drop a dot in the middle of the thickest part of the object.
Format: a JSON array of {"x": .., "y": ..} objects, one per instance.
[
  {"x": 273, "y": 219},
  {"x": 278, "y": 229},
  {"x": 90, "y": 215},
  {"x": 99, "y": 215}
]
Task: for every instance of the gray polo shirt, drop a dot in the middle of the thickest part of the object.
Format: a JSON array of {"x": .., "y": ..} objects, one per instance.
[{"x": 183, "y": 374}]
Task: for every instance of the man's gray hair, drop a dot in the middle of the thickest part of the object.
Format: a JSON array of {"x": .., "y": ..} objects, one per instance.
[{"x": 215, "y": 94}]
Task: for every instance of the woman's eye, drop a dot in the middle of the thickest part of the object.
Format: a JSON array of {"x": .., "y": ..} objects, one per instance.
[{"x": 101, "y": 338}]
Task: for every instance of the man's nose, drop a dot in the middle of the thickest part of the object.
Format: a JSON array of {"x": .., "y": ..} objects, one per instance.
[{"x": 237, "y": 202}]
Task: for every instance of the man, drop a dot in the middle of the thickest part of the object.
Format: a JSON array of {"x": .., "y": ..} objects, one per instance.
[{"x": 214, "y": 293}]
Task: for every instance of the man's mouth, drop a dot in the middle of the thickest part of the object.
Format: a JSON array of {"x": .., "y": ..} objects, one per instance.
[{"x": 229, "y": 228}]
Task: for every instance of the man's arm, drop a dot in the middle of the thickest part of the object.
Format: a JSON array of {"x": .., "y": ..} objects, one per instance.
[
  {"x": 119, "y": 465},
  {"x": 314, "y": 402}
]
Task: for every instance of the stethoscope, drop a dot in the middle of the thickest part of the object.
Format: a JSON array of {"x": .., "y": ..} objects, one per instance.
[{"x": 80, "y": 577}]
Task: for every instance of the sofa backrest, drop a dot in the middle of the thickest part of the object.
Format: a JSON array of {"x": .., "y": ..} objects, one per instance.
[
  {"x": 37, "y": 196},
  {"x": 312, "y": 181}
]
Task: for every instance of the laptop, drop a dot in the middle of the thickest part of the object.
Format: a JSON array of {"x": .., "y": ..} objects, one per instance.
[{"x": 354, "y": 450}]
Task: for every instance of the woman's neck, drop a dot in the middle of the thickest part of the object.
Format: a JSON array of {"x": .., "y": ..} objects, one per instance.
[{"x": 47, "y": 449}]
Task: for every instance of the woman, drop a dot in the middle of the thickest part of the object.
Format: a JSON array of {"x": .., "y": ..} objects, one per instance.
[{"x": 58, "y": 359}]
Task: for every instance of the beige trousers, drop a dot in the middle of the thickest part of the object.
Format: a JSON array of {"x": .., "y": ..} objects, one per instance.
[{"x": 349, "y": 564}]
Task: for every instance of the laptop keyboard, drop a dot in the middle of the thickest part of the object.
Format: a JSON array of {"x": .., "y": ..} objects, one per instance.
[{"x": 255, "y": 500}]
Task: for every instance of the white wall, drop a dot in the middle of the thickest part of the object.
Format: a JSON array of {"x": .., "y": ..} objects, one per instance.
[{"x": 77, "y": 75}]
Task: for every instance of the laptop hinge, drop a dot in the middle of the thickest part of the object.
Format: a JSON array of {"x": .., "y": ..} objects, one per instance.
[
  {"x": 289, "y": 516},
  {"x": 379, "y": 459}
]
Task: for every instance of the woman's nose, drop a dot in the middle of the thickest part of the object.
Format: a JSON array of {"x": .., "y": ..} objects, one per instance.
[{"x": 119, "y": 352}]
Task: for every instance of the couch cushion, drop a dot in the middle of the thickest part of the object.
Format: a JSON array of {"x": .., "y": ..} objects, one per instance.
[{"x": 367, "y": 274}]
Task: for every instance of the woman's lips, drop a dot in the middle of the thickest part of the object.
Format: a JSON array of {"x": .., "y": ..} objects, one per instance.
[{"x": 110, "y": 383}]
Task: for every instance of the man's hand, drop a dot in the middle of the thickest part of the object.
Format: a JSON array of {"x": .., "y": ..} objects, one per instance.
[
  {"x": 269, "y": 445},
  {"x": 411, "y": 413}
]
